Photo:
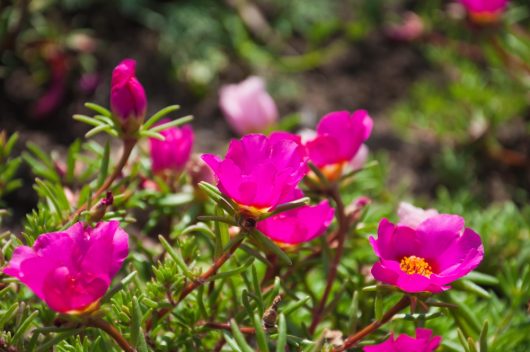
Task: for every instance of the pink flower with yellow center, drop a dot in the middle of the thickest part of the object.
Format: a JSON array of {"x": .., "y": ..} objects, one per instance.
[
  {"x": 485, "y": 11},
  {"x": 424, "y": 342},
  {"x": 298, "y": 225},
  {"x": 71, "y": 270},
  {"x": 340, "y": 136},
  {"x": 258, "y": 172},
  {"x": 174, "y": 151},
  {"x": 437, "y": 252}
]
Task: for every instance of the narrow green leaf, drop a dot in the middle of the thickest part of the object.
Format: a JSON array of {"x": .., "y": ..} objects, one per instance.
[
  {"x": 88, "y": 120},
  {"x": 353, "y": 312},
  {"x": 238, "y": 336},
  {"x": 261, "y": 337},
  {"x": 281, "y": 343},
  {"x": 24, "y": 326},
  {"x": 378, "y": 305},
  {"x": 232, "y": 343},
  {"x": 174, "y": 123},
  {"x": 271, "y": 246},
  {"x": 97, "y": 130},
  {"x": 233, "y": 272},
  {"x": 104, "y": 166},
  {"x": 99, "y": 109},
  {"x": 257, "y": 290},
  {"x": 177, "y": 257},
  {"x": 8, "y": 315},
  {"x": 159, "y": 115},
  {"x": 295, "y": 306},
  {"x": 483, "y": 338},
  {"x": 285, "y": 207}
]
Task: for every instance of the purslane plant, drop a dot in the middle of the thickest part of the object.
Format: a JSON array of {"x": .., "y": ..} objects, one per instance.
[{"x": 234, "y": 254}]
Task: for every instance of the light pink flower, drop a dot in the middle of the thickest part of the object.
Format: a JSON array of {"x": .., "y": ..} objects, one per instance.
[
  {"x": 71, "y": 270},
  {"x": 428, "y": 258},
  {"x": 412, "y": 216},
  {"x": 247, "y": 106},
  {"x": 258, "y": 171},
  {"x": 174, "y": 152},
  {"x": 410, "y": 28},
  {"x": 339, "y": 138},
  {"x": 424, "y": 342},
  {"x": 484, "y": 11},
  {"x": 298, "y": 225},
  {"x": 127, "y": 95}
]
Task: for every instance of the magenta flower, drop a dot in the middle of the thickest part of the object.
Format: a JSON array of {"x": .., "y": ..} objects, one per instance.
[
  {"x": 174, "y": 152},
  {"x": 484, "y": 11},
  {"x": 127, "y": 95},
  {"x": 298, "y": 225},
  {"x": 71, "y": 270},
  {"x": 259, "y": 171},
  {"x": 439, "y": 251},
  {"x": 247, "y": 106},
  {"x": 339, "y": 138},
  {"x": 424, "y": 342},
  {"x": 412, "y": 216}
]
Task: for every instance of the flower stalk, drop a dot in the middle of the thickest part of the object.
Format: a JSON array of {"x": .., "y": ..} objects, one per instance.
[
  {"x": 367, "y": 330},
  {"x": 99, "y": 323}
]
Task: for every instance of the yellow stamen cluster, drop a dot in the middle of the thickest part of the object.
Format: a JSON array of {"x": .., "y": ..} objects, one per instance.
[{"x": 415, "y": 265}]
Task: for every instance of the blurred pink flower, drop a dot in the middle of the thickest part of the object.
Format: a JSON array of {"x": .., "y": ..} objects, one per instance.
[
  {"x": 71, "y": 270},
  {"x": 412, "y": 216},
  {"x": 247, "y": 106},
  {"x": 298, "y": 225},
  {"x": 424, "y": 342},
  {"x": 339, "y": 138},
  {"x": 484, "y": 11},
  {"x": 127, "y": 96},
  {"x": 427, "y": 258},
  {"x": 174, "y": 152},
  {"x": 410, "y": 28},
  {"x": 259, "y": 171}
]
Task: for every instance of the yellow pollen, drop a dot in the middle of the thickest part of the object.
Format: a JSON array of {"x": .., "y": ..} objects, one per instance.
[{"x": 415, "y": 265}]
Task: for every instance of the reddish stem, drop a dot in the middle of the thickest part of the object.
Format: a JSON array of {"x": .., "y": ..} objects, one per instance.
[
  {"x": 247, "y": 330},
  {"x": 367, "y": 330},
  {"x": 112, "y": 332},
  {"x": 192, "y": 285},
  {"x": 341, "y": 235},
  {"x": 128, "y": 146}
]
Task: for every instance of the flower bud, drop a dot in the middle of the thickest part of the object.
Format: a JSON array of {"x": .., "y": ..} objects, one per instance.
[
  {"x": 247, "y": 106},
  {"x": 127, "y": 96},
  {"x": 174, "y": 151}
]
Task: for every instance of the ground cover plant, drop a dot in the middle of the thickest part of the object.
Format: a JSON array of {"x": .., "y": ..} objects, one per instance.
[{"x": 302, "y": 231}]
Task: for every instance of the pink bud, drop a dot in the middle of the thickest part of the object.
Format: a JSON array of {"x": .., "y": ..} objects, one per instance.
[
  {"x": 247, "y": 106},
  {"x": 424, "y": 342},
  {"x": 174, "y": 152},
  {"x": 127, "y": 96},
  {"x": 71, "y": 270}
]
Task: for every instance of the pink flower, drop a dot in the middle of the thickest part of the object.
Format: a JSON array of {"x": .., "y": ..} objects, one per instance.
[
  {"x": 127, "y": 95},
  {"x": 410, "y": 28},
  {"x": 427, "y": 258},
  {"x": 484, "y": 11},
  {"x": 298, "y": 225},
  {"x": 247, "y": 106},
  {"x": 412, "y": 216},
  {"x": 259, "y": 171},
  {"x": 71, "y": 270},
  {"x": 174, "y": 152},
  {"x": 424, "y": 342},
  {"x": 339, "y": 138}
]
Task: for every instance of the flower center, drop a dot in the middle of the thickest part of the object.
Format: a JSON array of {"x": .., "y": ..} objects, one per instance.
[{"x": 415, "y": 265}]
